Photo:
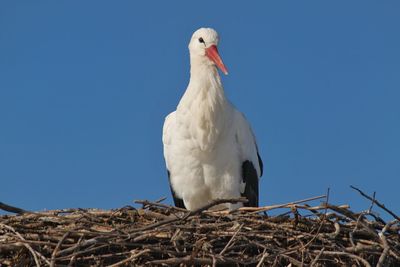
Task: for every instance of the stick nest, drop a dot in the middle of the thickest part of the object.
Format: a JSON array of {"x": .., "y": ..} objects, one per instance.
[{"x": 158, "y": 234}]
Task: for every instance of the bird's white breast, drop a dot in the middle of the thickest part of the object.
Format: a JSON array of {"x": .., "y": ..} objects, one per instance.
[{"x": 199, "y": 175}]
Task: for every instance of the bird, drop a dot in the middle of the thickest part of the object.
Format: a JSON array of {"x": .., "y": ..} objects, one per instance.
[{"x": 209, "y": 147}]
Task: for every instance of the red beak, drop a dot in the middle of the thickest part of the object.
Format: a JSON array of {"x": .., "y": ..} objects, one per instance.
[{"x": 212, "y": 54}]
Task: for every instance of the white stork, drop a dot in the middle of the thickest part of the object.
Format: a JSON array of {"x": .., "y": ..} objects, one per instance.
[{"x": 209, "y": 147}]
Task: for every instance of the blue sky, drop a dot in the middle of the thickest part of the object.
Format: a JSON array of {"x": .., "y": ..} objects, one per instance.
[{"x": 85, "y": 87}]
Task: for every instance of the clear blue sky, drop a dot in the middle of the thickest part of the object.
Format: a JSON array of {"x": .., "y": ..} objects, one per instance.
[{"x": 85, "y": 87}]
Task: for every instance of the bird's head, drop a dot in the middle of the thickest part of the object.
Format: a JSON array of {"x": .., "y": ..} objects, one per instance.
[{"x": 203, "y": 45}]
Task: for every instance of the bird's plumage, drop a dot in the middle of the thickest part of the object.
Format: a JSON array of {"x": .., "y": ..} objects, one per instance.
[{"x": 209, "y": 147}]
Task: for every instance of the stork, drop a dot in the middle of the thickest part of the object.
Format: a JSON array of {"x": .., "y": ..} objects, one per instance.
[{"x": 209, "y": 148}]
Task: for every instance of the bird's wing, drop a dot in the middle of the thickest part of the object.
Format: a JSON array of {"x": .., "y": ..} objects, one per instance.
[
  {"x": 168, "y": 130},
  {"x": 177, "y": 201},
  {"x": 252, "y": 165}
]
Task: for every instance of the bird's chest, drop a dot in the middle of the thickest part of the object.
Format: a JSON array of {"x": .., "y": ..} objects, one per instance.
[
  {"x": 204, "y": 143},
  {"x": 203, "y": 117},
  {"x": 211, "y": 160},
  {"x": 207, "y": 173},
  {"x": 204, "y": 130}
]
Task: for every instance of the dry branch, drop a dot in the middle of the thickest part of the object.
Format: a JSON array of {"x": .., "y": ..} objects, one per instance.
[{"x": 377, "y": 203}]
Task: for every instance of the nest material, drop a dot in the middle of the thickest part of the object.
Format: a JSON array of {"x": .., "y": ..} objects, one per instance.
[{"x": 158, "y": 234}]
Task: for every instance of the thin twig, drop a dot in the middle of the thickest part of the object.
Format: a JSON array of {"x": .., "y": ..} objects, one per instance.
[
  {"x": 385, "y": 244},
  {"x": 314, "y": 262},
  {"x": 135, "y": 254},
  {"x": 264, "y": 255},
  {"x": 321, "y": 223},
  {"x": 53, "y": 255},
  {"x": 231, "y": 240},
  {"x": 31, "y": 250},
  {"x": 372, "y": 202},
  {"x": 157, "y": 204},
  {"x": 341, "y": 253},
  {"x": 377, "y": 203},
  {"x": 267, "y": 208}
]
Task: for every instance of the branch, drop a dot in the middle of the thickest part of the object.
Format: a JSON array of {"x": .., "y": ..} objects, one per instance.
[
  {"x": 215, "y": 203},
  {"x": 189, "y": 260},
  {"x": 377, "y": 203},
  {"x": 31, "y": 250},
  {"x": 191, "y": 213},
  {"x": 385, "y": 244},
  {"x": 341, "y": 253},
  {"x": 134, "y": 255},
  {"x": 267, "y": 208}
]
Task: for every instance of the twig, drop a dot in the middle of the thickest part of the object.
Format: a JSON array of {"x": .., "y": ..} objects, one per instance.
[
  {"x": 353, "y": 216},
  {"x": 317, "y": 257},
  {"x": 372, "y": 202},
  {"x": 341, "y": 253},
  {"x": 33, "y": 252},
  {"x": 73, "y": 256},
  {"x": 377, "y": 203},
  {"x": 215, "y": 203},
  {"x": 53, "y": 255},
  {"x": 385, "y": 251},
  {"x": 134, "y": 255},
  {"x": 321, "y": 223},
  {"x": 189, "y": 260},
  {"x": 265, "y": 254},
  {"x": 85, "y": 243},
  {"x": 292, "y": 261},
  {"x": 231, "y": 240},
  {"x": 386, "y": 247},
  {"x": 191, "y": 213},
  {"x": 267, "y": 208},
  {"x": 157, "y": 204}
]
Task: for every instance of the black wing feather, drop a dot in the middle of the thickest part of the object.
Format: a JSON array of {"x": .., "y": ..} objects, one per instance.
[
  {"x": 178, "y": 201},
  {"x": 250, "y": 177},
  {"x": 260, "y": 162}
]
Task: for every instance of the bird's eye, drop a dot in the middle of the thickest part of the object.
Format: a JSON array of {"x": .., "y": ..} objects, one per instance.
[{"x": 201, "y": 40}]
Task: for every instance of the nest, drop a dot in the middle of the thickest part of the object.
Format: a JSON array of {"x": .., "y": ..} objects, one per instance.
[{"x": 159, "y": 234}]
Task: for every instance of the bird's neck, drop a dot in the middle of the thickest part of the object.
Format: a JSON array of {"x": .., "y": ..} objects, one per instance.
[{"x": 203, "y": 108}]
